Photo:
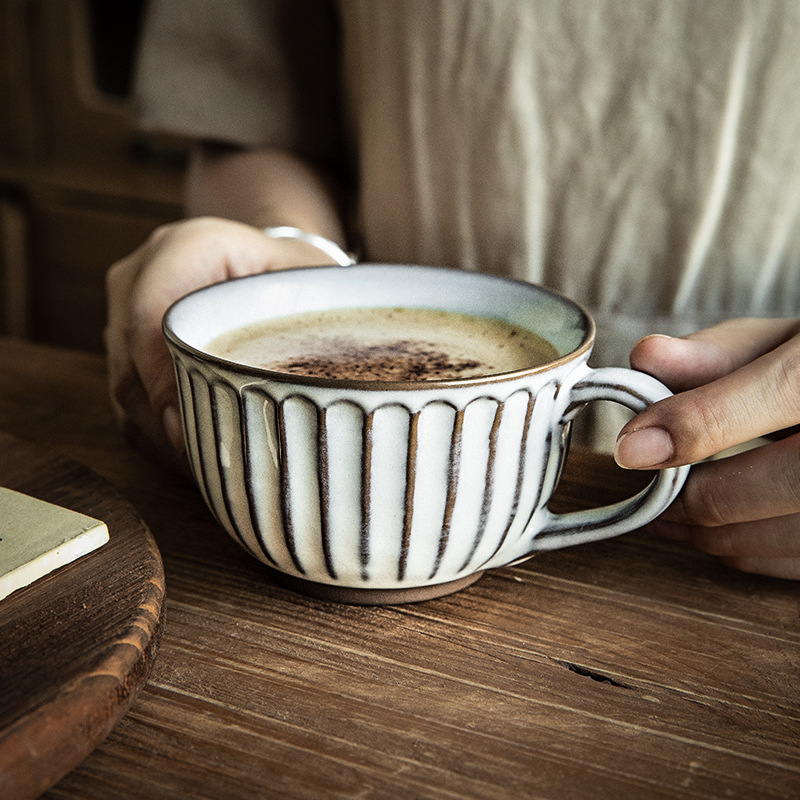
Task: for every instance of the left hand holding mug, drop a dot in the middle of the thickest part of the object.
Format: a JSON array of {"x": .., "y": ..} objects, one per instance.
[
  {"x": 175, "y": 260},
  {"x": 735, "y": 382}
]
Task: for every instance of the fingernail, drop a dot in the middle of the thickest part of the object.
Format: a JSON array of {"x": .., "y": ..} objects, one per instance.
[
  {"x": 171, "y": 420},
  {"x": 643, "y": 449},
  {"x": 653, "y": 336}
]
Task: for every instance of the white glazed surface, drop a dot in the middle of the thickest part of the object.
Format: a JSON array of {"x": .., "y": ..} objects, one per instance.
[{"x": 392, "y": 486}]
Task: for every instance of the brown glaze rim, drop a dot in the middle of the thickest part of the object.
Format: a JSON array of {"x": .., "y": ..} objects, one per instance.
[{"x": 362, "y": 385}]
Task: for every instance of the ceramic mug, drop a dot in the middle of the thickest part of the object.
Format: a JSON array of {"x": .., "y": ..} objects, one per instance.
[{"x": 376, "y": 492}]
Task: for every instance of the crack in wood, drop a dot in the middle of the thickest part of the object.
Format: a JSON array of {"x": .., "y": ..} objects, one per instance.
[{"x": 593, "y": 674}]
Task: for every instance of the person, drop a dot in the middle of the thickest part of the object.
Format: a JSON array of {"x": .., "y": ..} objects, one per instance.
[{"x": 643, "y": 159}]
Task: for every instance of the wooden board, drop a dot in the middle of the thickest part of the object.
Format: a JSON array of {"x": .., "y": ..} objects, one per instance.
[{"x": 78, "y": 644}]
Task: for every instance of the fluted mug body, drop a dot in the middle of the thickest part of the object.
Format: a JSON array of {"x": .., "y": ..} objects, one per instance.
[{"x": 393, "y": 487}]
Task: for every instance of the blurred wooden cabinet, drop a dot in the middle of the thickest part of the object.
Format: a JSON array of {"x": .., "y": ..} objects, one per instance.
[{"x": 79, "y": 187}]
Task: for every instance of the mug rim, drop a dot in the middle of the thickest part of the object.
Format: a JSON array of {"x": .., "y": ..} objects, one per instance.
[{"x": 263, "y": 373}]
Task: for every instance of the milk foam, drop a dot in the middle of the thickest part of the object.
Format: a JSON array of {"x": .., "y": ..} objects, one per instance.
[{"x": 385, "y": 344}]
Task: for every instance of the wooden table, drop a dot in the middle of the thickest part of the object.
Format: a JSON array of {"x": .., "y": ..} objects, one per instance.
[{"x": 631, "y": 668}]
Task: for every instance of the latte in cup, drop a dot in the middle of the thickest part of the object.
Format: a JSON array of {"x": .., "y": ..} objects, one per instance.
[{"x": 385, "y": 344}]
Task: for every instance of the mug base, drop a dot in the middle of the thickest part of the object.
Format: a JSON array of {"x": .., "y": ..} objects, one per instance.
[{"x": 351, "y": 595}]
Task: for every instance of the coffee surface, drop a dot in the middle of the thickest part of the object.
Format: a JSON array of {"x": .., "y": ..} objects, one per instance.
[{"x": 385, "y": 344}]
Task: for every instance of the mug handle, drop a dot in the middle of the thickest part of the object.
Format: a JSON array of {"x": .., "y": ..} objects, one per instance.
[{"x": 636, "y": 390}]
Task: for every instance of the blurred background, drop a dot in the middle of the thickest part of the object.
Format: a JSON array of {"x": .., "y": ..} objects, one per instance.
[{"x": 79, "y": 187}]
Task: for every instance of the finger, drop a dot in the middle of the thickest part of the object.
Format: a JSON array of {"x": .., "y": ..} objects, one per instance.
[
  {"x": 770, "y": 538},
  {"x": 766, "y": 547},
  {"x": 758, "y": 398},
  {"x": 145, "y": 432},
  {"x": 129, "y": 399},
  {"x": 691, "y": 361},
  {"x": 153, "y": 365},
  {"x": 763, "y": 550},
  {"x": 121, "y": 372},
  {"x": 787, "y": 568},
  {"x": 758, "y": 484}
]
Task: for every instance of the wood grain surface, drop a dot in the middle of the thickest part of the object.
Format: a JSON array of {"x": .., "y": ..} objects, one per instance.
[{"x": 631, "y": 668}]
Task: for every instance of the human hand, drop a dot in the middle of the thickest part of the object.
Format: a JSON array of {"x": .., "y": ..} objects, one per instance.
[
  {"x": 175, "y": 260},
  {"x": 735, "y": 382}
]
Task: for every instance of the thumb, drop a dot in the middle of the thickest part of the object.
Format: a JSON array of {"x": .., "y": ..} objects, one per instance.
[{"x": 737, "y": 385}]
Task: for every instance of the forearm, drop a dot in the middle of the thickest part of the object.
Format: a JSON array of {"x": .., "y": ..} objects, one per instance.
[{"x": 263, "y": 188}]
